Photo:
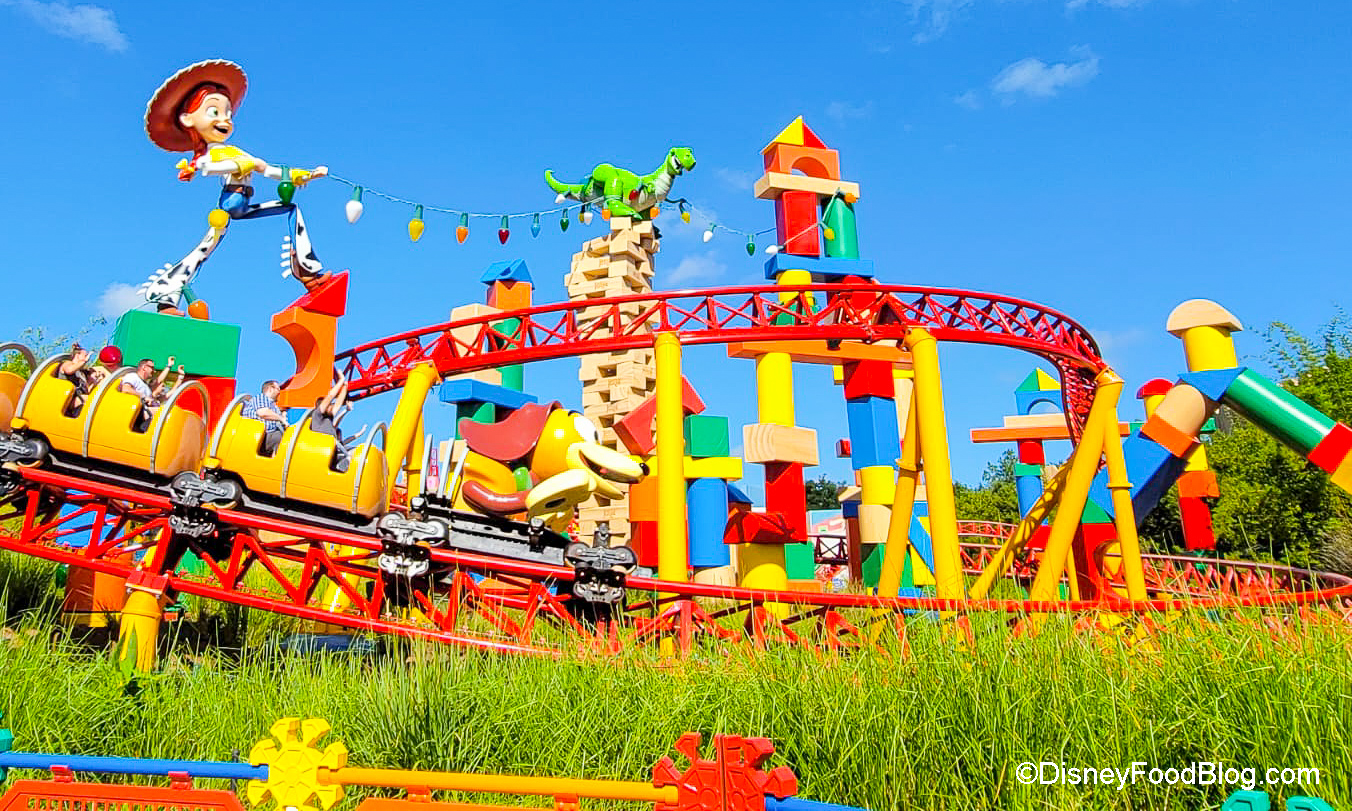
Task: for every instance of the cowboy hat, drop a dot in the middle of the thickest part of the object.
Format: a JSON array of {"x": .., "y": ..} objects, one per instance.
[{"x": 163, "y": 110}]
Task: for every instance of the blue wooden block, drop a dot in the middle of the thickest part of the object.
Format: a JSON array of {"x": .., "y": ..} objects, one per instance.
[
  {"x": 1151, "y": 469},
  {"x": 476, "y": 391},
  {"x": 511, "y": 270},
  {"x": 1212, "y": 383},
  {"x": 920, "y": 539},
  {"x": 874, "y": 438},
  {"x": 1024, "y": 401},
  {"x": 831, "y": 268},
  {"x": 706, "y": 510},
  {"x": 849, "y": 509},
  {"x": 736, "y": 496}
]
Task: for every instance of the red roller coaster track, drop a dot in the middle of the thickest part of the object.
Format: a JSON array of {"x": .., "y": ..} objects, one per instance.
[
  {"x": 857, "y": 312},
  {"x": 285, "y": 565}
]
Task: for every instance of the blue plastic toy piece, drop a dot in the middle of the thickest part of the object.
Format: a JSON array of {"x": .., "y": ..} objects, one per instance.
[
  {"x": 707, "y": 521},
  {"x": 736, "y": 496},
  {"x": 1212, "y": 383},
  {"x": 476, "y": 391},
  {"x": 511, "y": 270},
  {"x": 1247, "y": 800},
  {"x": 874, "y": 438},
  {"x": 832, "y": 269}
]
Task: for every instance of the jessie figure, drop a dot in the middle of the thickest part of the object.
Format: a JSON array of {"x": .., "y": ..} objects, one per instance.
[{"x": 194, "y": 111}]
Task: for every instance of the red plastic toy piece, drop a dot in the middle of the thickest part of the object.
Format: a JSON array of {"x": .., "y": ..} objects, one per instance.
[
  {"x": 732, "y": 781},
  {"x": 635, "y": 430},
  {"x": 869, "y": 378}
]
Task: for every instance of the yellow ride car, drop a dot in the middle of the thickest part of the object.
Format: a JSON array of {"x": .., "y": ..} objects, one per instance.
[
  {"x": 11, "y": 384},
  {"x": 112, "y": 425},
  {"x": 302, "y": 467}
]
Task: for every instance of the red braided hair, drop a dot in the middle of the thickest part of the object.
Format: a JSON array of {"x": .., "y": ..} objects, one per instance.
[{"x": 189, "y": 105}]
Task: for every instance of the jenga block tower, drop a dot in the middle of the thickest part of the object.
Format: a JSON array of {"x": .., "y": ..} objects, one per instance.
[{"x": 613, "y": 383}]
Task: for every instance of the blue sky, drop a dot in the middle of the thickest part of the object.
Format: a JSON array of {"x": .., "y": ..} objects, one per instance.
[{"x": 1108, "y": 158}]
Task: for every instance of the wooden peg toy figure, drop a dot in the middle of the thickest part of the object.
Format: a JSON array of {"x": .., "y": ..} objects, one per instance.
[{"x": 194, "y": 111}]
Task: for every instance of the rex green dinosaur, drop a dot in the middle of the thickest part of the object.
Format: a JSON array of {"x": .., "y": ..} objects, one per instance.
[{"x": 621, "y": 192}]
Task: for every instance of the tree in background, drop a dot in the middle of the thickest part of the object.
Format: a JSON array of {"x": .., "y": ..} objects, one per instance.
[
  {"x": 995, "y": 499},
  {"x": 44, "y": 345},
  {"x": 822, "y": 492}
]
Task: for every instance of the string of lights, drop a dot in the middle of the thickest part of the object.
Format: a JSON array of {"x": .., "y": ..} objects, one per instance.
[{"x": 416, "y": 225}]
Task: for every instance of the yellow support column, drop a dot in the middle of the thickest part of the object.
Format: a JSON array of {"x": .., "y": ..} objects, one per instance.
[
  {"x": 672, "y": 552},
  {"x": 139, "y": 629},
  {"x": 903, "y": 501},
  {"x": 1083, "y": 465},
  {"x": 1124, "y": 518},
  {"x": 933, "y": 432},
  {"x": 1022, "y": 534},
  {"x": 404, "y": 425},
  {"x": 413, "y": 466}
]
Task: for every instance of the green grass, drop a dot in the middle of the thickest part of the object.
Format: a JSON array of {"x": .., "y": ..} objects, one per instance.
[{"x": 938, "y": 728}]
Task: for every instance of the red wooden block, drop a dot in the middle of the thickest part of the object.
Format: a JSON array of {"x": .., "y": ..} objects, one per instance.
[
  {"x": 1031, "y": 452},
  {"x": 1153, "y": 387},
  {"x": 868, "y": 378},
  {"x": 643, "y": 540},
  {"x": 1332, "y": 448},
  {"x": 796, "y": 223},
  {"x": 786, "y": 494},
  {"x": 635, "y": 429},
  {"x": 330, "y": 298},
  {"x": 842, "y": 449},
  {"x": 1198, "y": 533},
  {"x": 767, "y": 528},
  {"x": 220, "y": 391}
]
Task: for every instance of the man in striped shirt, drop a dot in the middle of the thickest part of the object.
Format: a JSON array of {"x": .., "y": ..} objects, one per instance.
[{"x": 264, "y": 407}]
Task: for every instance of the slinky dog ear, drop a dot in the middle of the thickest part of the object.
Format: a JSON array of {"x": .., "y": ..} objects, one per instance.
[{"x": 511, "y": 439}]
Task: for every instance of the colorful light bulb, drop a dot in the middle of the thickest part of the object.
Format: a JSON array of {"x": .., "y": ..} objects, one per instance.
[
  {"x": 354, "y": 207},
  {"x": 535, "y": 226},
  {"x": 685, "y": 215},
  {"x": 415, "y": 225},
  {"x": 462, "y": 230},
  {"x": 709, "y": 233},
  {"x": 750, "y": 247},
  {"x": 772, "y": 249},
  {"x": 586, "y": 215},
  {"x": 563, "y": 221},
  {"x": 286, "y": 189},
  {"x": 504, "y": 231}
]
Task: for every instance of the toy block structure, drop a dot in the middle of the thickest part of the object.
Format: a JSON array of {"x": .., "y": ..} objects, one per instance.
[
  {"x": 616, "y": 383},
  {"x": 509, "y": 288},
  {"x": 207, "y": 350},
  {"x": 310, "y": 326},
  {"x": 480, "y": 402}
]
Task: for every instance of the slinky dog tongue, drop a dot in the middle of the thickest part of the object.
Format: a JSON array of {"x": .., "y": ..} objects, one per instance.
[
  {"x": 510, "y": 439},
  {"x": 490, "y": 503}
]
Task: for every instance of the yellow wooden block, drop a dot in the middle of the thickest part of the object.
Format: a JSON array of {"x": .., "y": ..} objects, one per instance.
[
  {"x": 877, "y": 484},
  {"x": 713, "y": 467},
  {"x": 773, "y": 184},
  {"x": 920, "y": 573},
  {"x": 466, "y": 335},
  {"x": 768, "y": 442},
  {"x": 1342, "y": 475}
]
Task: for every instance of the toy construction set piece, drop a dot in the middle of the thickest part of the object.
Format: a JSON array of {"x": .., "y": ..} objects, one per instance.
[{"x": 194, "y": 111}]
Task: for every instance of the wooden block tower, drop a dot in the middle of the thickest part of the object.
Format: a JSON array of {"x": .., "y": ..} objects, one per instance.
[{"x": 613, "y": 383}]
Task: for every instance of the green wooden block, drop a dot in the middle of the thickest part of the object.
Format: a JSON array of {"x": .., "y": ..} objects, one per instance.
[
  {"x": 706, "y": 436},
  {"x": 800, "y": 560},
  {"x": 1094, "y": 514},
  {"x": 476, "y": 411},
  {"x": 203, "y": 348},
  {"x": 873, "y": 564}
]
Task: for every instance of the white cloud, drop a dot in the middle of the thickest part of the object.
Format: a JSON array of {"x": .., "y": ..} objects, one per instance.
[
  {"x": 83, "y": 22},
  {"x": 970, "y": 100},
  {"x": 842, "y": 111},
  {"x": 934, "y": 16},
  {"x": 698, "y": 267},
  {"x": 735, "y": 179},
  {"x": 116, "y": 299},
  {"x": 1036, "y": 79}
]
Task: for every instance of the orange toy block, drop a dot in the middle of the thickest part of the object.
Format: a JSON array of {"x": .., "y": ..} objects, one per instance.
[
  {"x": 312, "y": 337},
  {"x": 643, "y": 499},
  {"x": 821, "y": 352},
  {"x": 510, "y": 295},
  {"x": 811, "y": 161}
]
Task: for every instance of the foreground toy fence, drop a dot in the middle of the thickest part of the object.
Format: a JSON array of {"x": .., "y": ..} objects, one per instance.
[{"x": 291, "y": 770}]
